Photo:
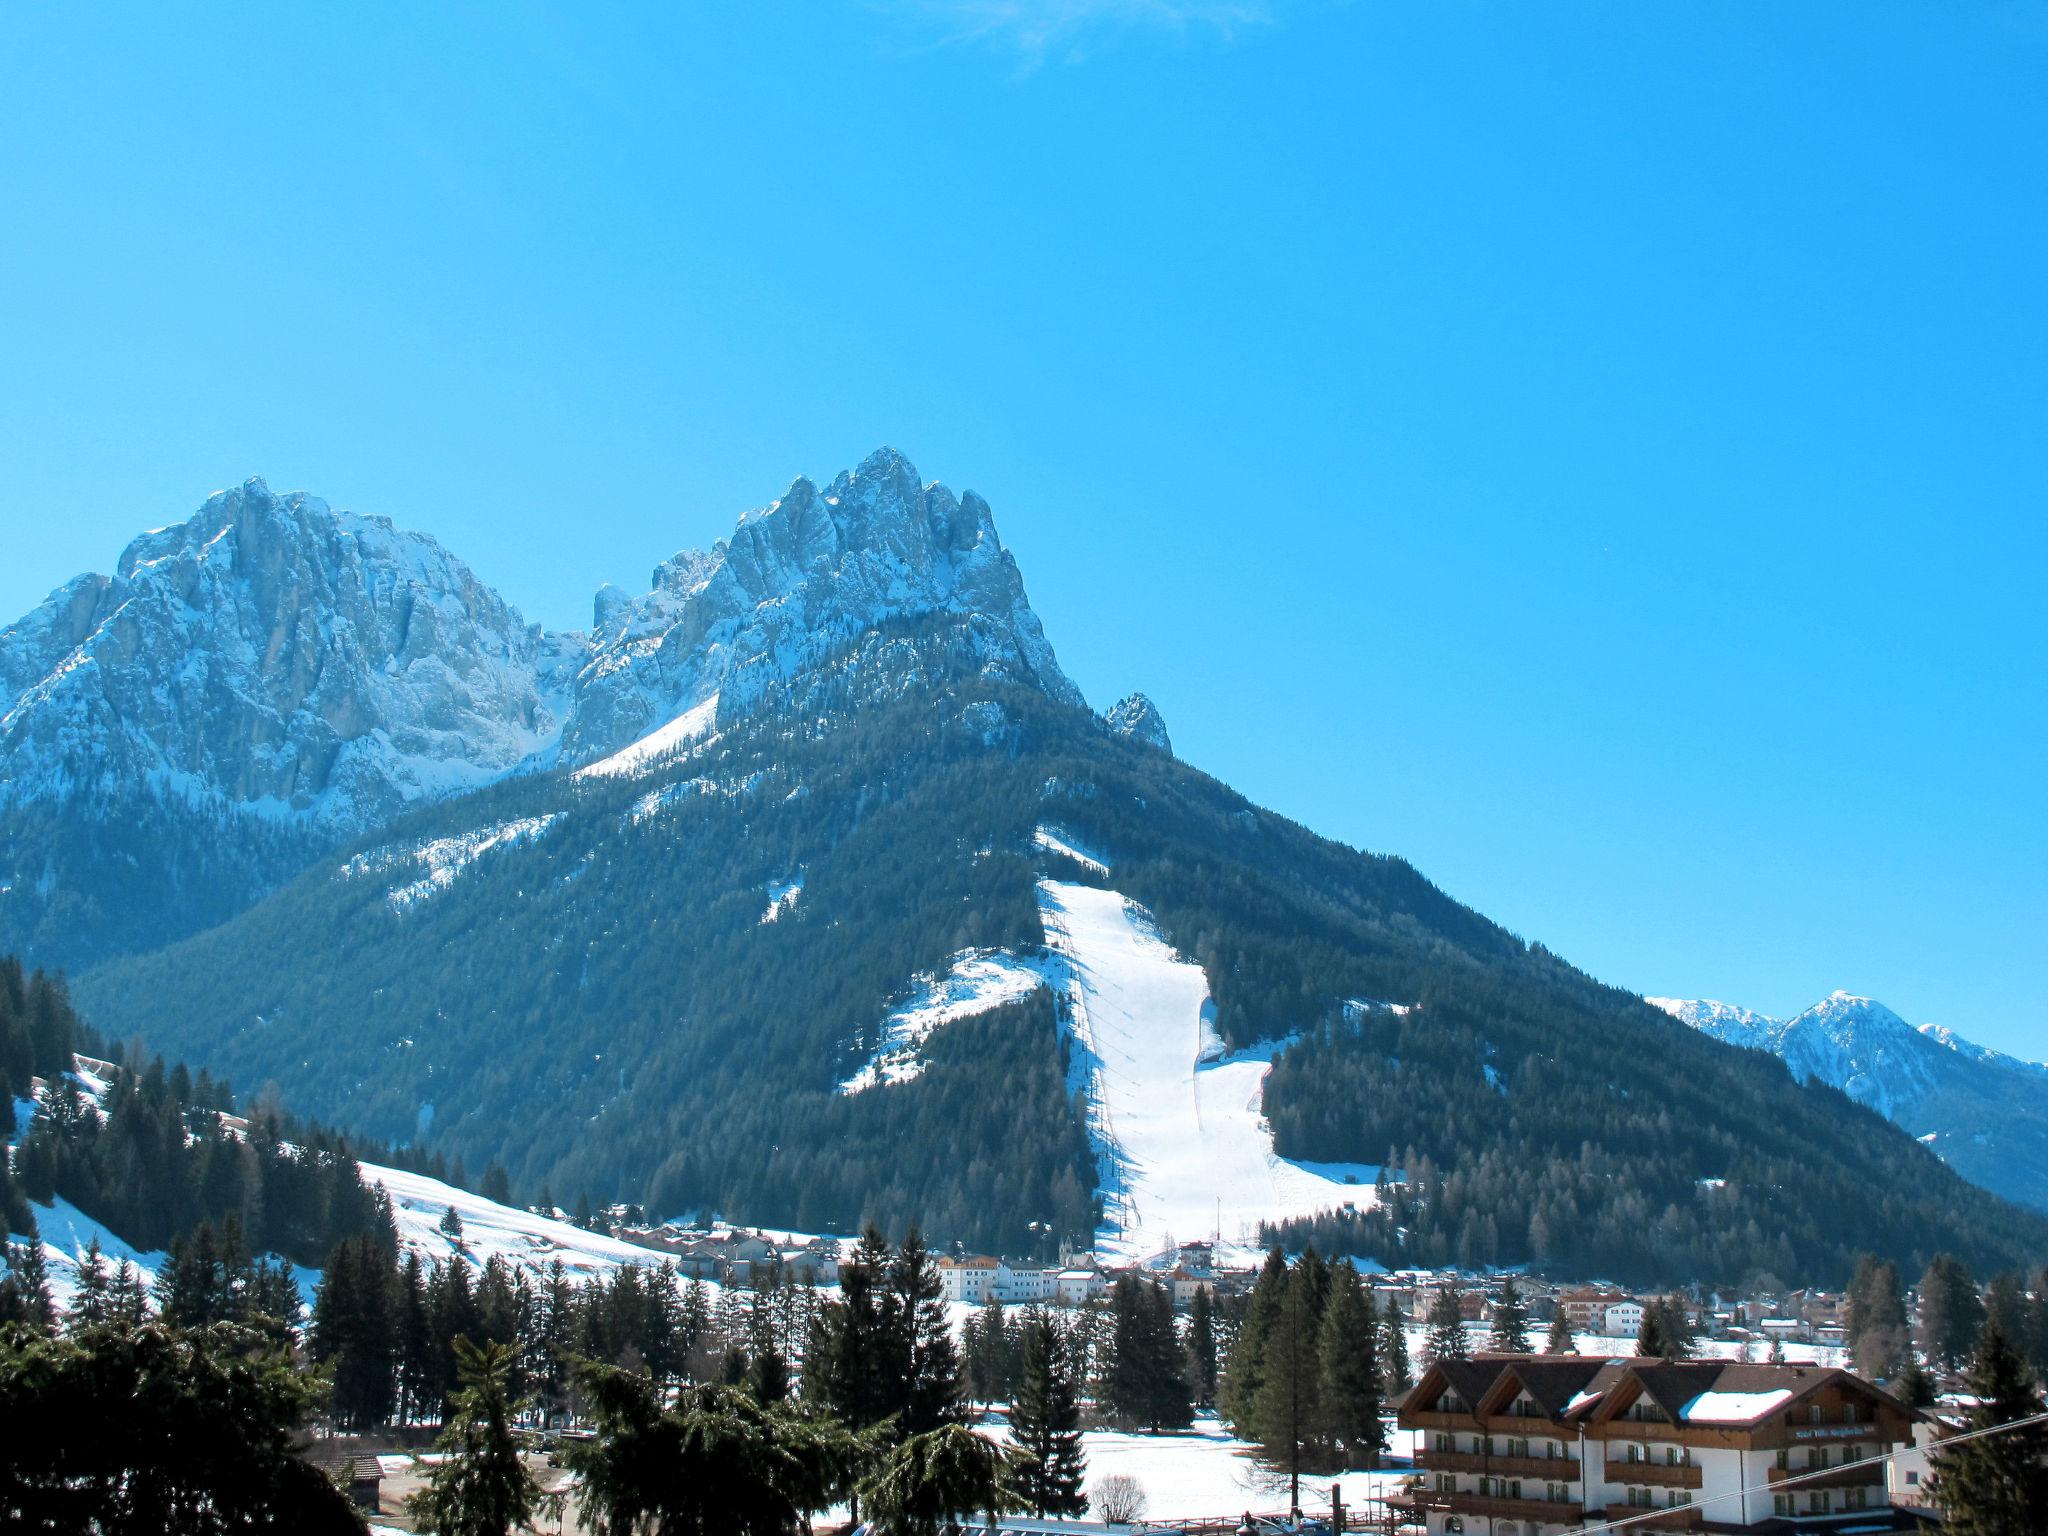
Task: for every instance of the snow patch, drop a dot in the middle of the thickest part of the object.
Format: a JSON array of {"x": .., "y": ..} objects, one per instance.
[
  {"x": 975, "y": 982},
  {"x": 445, "y": 857},
  {"x": 1733, "y": 1407},
  {"x": 782, "y": 898},
  {"x": 691, "y": 725},
  {"x": 1052, "y": 840}
]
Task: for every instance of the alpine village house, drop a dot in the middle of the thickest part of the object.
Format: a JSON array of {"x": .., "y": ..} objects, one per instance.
[{"x": 1531, "y": 1445}]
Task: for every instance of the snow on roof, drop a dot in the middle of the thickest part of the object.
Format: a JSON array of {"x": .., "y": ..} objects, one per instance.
[
  {"x": 1733, "y": 1407},
  {"x": 1580, "y": 1400}
]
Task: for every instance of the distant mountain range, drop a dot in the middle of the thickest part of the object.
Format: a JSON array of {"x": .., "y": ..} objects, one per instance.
[
  {"x": 804, "y": 887},
  {"x": 1985, "y": 1113}
]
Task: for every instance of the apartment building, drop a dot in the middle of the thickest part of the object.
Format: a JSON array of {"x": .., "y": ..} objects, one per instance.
[{"x": 1537, "y": 1445}]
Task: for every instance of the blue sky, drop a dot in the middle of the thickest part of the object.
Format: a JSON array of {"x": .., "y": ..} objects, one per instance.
[{"x": 1596, "y": 451}]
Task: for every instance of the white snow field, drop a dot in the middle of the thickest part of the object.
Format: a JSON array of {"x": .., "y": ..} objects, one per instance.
[
  {"x": 443, "y": 858},
  {"x": 1053, "y": 840},
  {"x": 689, "y": 726},
  {"x": 1183, "y": 1147}
]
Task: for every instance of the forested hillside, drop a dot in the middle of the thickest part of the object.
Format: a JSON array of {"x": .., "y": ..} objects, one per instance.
[{"x": 579, "y": 976}]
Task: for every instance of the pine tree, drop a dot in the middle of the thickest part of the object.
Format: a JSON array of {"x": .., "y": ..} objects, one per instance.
[
  {"x": 1202, "y": 1348},
  {"x": 1995, "y": 1485},
  {"x": 1650, "y": 1333},
  {"x": 1396, "y": 1374},
  {"x": 1912, "y": 1386},
  {"x": 1559, "y": 1340},
  {"x": 1288, "y": 1415},
  {"x": 1349, "y": 1347},
  {"x": 482, "y": 1488},
  {"x": 354, "y": 1332},
  {"x": 928, "y": 1362},
  {"x": 451, "y": 1224},
  {"x": 25, "y": 1289},
  {"x": 1446, "y": 1339},
  {"x": 1144, "y": 1386},
  {"x": 1046, "y": 1422},
  {"x": 1951, "y": 1312},
  {"x": 93, "y": 1302},
  {"x": 1245, "y": 1371},
  {"x": 1879, "y": 1338},
  {"x": 497, "y": 1184},
  {"x": 1510, "y": 1333}
]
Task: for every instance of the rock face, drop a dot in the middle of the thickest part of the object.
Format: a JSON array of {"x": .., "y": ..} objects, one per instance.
[
  {"x": 1138, "y": 718},
  {"x": 1986, "y": 1113},
  {"x": 275, "y": 655},
  {"x": 272, "y": 677},
  {"x": 803, "y": 578}
]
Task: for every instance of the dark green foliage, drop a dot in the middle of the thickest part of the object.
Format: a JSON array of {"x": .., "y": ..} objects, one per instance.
[
  {"x": 1446, "y": 1339},
  {"x": 210, "y": 1278},
  {"x": 991, "y": 1351},
  {"x": 938, "y": 1477},
  {"x": 716, "y": 1463},
  {"x": 1510, "y": 1331},
  {"x": 1204, "y": 1353},
  {"x": 355, "y": 1332},
  {"x": 25, "y": 1289},
  {"x": 1046, "y": 1421},
  {"x": 1144, "y": 1380},
  {"x": 883, "y": 1353},
  {"x": 1875, "y": 1324},
  {"x": 1951, "y": 1312},
  {"x": 1397, "y": 1375},
  {"x": 481, "y": 1488},
  {"x": 1351, "y": 1396},
  {"x": 1559, "y": 1340},
  {"x": 137, "y": 1432},
  {"x": 604, "y": 1007},
  {"x": 1996, "y": 1485}
]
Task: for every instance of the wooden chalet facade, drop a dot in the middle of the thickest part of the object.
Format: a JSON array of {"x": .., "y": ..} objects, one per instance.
[{"x": 1536, "y": 1445}]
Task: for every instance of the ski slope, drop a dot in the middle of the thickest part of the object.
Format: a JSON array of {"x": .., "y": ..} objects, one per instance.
[{"x": 1183, "y": 1148}]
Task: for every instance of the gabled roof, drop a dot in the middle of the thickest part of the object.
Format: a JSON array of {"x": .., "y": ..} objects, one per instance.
[{"x": 1729, "y": 1394}]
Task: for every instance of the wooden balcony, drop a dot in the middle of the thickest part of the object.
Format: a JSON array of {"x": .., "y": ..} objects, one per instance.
[
  {"x": 1431, "y": 1419},
  {"x": 1655, "y": 1474},
  {"x": 1561, "y": 1469},
  {"x": 1855, "y": 1474},
  {"x": 1683, "y": 1518},
  {"x": 1489, "y": 1505}
]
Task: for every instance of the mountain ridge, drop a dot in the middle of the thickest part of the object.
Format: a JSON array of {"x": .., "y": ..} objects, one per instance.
[{"x": 1984, "y": 1112}]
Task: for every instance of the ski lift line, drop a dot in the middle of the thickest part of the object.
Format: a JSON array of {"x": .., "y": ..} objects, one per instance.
[{"x": 1804, "y": 1477}]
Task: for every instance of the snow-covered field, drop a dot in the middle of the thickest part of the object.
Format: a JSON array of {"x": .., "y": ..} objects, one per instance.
[
  {"x": 1184, "y": 1149},
  {"x": 976, "y": 981}
]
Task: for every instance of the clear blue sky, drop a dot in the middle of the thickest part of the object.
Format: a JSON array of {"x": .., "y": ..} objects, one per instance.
[{"x": 1599, "y": 452}]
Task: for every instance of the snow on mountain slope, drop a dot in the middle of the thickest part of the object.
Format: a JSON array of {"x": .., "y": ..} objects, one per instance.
[
  {"x": 273, "y": 654},
  {"x": 1183, "y": 1147},
  {"x": 1983, "y": 1112},
  {"x": 975, "y": 982},
  {"x": 693, "y": 724},
  {"x": 443, "y": 858},
  {"x": 798, "y": 580},
  {"x": 1052, "y": 840}
]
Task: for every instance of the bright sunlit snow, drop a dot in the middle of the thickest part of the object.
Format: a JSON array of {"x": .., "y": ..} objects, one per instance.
[
  {"x": 687, "y": 727},
  {"x": 1182, "y": 1144},
  {"x": 782, "y": 895},
  {"x": 976, "y": 981},
  {"x": 444, "y": 858},
  {"x": 1053, "y": 840}
]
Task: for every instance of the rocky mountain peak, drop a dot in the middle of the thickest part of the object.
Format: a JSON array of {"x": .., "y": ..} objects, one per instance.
[{"x": 1138, "y": 718}]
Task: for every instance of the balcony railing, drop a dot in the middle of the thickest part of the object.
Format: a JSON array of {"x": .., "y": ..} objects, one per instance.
[
  {"x": 1484, "y": 1504},
  {"x": 1682, "y": 1517},
  {"x": 1564, "y": 1469},
  {"x": 1655, "y": 1474},
  {"x": 1854, "y": 1474}
]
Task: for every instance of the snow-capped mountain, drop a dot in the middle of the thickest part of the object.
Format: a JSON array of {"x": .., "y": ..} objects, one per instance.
[
  {"x": 273, "y": 677},
  {"x": 273, "y": 654},
  {"x": 804, "y": 577},
  {"x": 1986, "y": 1113},
  {"x": 1138, "y": 718}
]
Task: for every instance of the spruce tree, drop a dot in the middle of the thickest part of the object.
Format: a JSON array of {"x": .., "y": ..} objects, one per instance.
[
  {"x": 1446, "y": 1339},
  {"x": 1951, "y": 1312},
  {"x": 1878, "y": 1336},
  {"x": 354, "y": 1332},
  {"x": 1046, "y": 1422},
  {"x": 1650, "y": 1333},
  {"x": 1559, "y": 1340},
  {"x": 1245, "y": 1369},
  {"x": 1349, "y": 1347},
  {"x": 1288, "y": 1415},
  {"x": 93, "y": 1302},
  {"x": 25, "y": 1288},
  {"x": 1396, "y": 1374},
  {"x": 1202, "y": 1348},
  {"x": 1170, "y": 1403},
  {"x": 928, "y": 1362},
  {"x": 451, "y": 1224},
  {"x": 1997, "y": 1484},
  {"x": 1510, "y": 1333},
  {"x": 481, "y": 1488}
]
